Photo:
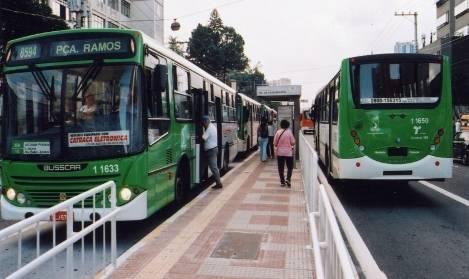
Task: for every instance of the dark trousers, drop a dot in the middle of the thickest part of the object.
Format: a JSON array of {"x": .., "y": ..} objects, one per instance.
[
  {"x": 281, "y": 160},
  {"x": 270, "y": 147}
]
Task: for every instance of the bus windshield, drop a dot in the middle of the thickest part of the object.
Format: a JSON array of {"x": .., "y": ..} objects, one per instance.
[
  {"x": 82, "y": 113},
  {"x": 396, "y": 83}
]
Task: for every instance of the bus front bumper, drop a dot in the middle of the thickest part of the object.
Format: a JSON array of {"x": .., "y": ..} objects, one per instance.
[
  {"x": 429, "y": 167},
  {"x": 134, "y": 210}
]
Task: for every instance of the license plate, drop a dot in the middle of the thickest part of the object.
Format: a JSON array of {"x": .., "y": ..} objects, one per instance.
[{"x": 60, "y": 216}]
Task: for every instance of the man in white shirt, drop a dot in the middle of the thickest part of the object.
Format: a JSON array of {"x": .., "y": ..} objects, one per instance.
[{"x": 210, "y": 138}]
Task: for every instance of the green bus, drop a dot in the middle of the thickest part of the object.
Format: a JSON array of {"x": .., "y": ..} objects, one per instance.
[
  {"x": 248, "y": 121},
  {"x": 82, "y": 107},
  {"x": 386, "y": 117}
]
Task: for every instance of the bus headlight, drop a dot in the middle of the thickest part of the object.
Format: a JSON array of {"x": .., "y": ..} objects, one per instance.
[
  {"x": 11, "y": 194},
  {"x": 125, "y": 194},
  {"x": 20, "y": 198}
]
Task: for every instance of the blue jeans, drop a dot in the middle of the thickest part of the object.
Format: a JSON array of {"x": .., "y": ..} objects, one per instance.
[{"x": 263, "y": 147}]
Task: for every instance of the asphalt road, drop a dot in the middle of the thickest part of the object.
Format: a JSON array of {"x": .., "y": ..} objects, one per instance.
[
  {"x": 128, "y": 234},
  {"x": 412, "y": 231}
]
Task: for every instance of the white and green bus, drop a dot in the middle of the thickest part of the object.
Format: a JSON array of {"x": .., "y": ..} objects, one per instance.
[
  {"x": 82, "y": 107},
  {"x": 386, "y": 117}
]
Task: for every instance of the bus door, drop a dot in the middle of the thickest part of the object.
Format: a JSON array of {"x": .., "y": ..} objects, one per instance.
[
  {"x": 200, "y": 109},
  {"x": 219, "y": 124}
]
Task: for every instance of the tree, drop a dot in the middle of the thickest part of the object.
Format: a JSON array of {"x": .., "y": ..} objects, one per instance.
[
  {"x": 248, "y": 80},
  {"x": 175, "y": 45},
  {"x": 216, "y": 48},
  {"x": 25, "y": 17}
]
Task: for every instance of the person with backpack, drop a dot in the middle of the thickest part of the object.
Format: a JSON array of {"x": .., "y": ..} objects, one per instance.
[
  {"x": 263, "y": 139},
  {"x": 284, "y": 141}
]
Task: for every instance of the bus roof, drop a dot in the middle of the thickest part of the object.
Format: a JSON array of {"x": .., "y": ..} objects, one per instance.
[
  {"x": 135, "y": 33},
  {"x": 182, "y": 61},
  {"x": 398, "y": 56},
  {"x": 249, "y": 99},
  {"x": 76, "y": 31}
]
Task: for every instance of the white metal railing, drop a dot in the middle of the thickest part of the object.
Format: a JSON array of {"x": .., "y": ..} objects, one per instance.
[
  {"x": 34, "y": 222},
  {"x": 332, "y": 259}
]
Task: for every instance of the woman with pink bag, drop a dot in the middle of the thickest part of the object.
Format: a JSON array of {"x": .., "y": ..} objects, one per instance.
[{"x": 284, "y": 141}]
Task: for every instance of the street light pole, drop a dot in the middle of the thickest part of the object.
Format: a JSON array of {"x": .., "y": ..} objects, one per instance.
[{"x": 415, "y": 27}]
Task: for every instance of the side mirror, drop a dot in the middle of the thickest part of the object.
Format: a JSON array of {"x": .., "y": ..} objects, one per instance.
[{"x": 160, "y": 78}]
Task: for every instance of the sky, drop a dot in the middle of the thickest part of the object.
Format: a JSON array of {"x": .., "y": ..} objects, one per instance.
[{"x": 305, "y": 40}]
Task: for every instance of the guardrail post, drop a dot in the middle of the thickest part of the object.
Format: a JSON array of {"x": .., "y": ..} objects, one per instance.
[
  {"x": 314, "y": 184},
  {"x": 113, "y": 225},
  {"x": 69, "y": 248}
]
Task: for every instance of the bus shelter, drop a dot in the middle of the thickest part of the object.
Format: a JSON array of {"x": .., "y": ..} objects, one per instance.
[{"x": 288, "y": 98}]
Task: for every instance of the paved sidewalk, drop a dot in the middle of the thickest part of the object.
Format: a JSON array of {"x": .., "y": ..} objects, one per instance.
[{"x": 252, "y": 228}]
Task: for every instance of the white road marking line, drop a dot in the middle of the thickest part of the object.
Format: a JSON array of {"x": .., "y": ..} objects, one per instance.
[{"x": 444, "y": 192}]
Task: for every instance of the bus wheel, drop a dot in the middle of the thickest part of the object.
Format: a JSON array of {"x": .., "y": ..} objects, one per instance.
[
  {"x": 465, "y": 158},
  {"x": 181, "y": 185}
]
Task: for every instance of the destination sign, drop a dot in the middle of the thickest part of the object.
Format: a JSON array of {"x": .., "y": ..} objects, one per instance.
[
  {"x": 89, "y": 47},
  {"x": 26, "y": 52},
  {"x": 48, "y": 49}
]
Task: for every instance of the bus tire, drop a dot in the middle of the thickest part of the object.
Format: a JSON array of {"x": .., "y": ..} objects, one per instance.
[
  {"x": 182, "y": 181},
  {"x": 465, "y": 158}
]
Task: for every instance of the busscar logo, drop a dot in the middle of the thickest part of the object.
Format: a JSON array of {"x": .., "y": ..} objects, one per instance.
[{"x": 61, "y": 167}]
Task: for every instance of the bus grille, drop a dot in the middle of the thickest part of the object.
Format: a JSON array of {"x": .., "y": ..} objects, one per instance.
[{"x": 46, "y": 191}]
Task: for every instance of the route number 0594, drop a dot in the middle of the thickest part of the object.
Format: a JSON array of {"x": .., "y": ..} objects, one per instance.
[{"x": 105, "y": 169}]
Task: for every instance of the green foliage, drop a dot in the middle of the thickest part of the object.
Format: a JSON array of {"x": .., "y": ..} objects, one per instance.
[
  {"x": 248, "y": 80},
  {"x": 14, "y": 25},
  {"x": 175, "y": 45},
  {"x": 216, "y": 48}
]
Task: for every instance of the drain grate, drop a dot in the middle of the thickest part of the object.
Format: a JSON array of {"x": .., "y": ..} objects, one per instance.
[{"x": 238, "y": 245}]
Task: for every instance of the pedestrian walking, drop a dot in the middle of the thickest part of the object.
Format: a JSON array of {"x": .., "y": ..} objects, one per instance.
[
  {"x": 211, "y": 149},
  {"x": 263, "y": 139},
  {"x": 270, "y": 146},
  {"x": 284, "y": 141}
]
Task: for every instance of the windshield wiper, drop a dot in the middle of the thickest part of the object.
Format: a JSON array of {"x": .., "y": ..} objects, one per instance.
[{"x": 90, "y": 74}]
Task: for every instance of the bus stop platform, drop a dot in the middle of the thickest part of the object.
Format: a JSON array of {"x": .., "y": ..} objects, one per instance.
[{"x": 252, "y": 228}]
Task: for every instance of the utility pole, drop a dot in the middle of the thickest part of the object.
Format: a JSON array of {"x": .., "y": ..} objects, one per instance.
[{"x": 415, "y": 26}]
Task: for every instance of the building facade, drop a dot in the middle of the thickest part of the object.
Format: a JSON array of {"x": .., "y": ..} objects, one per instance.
[
  {"x": 405, "y": 47},
  {"x": 455, "y": 46},
  {"x": 144, "y": 15},
  {"x": 280, "y": 82},
  {"x": 461, "y": 18}
]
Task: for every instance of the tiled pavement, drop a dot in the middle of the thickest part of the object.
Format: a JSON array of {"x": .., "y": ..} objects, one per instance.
[{"x": 252, "y": 228}]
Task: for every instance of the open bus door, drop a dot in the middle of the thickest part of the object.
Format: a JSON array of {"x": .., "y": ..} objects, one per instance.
[{"x": 200, "y": 109}]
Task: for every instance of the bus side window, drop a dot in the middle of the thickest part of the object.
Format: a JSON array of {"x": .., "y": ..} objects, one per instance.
[
  {"x": 182, "y": 97},
  {"x": 157, "y": 98},
  {"x": 335, "y": 104}
]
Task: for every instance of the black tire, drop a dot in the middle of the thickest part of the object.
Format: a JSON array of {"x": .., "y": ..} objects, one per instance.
[
  {"x": 465, "y": 158},
  {"x": 181, "y": 187}
]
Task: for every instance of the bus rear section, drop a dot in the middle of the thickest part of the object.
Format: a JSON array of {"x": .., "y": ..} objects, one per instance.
[
  {"x": 306, "y": 123},
  {"x": 393, "y": 119}
]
